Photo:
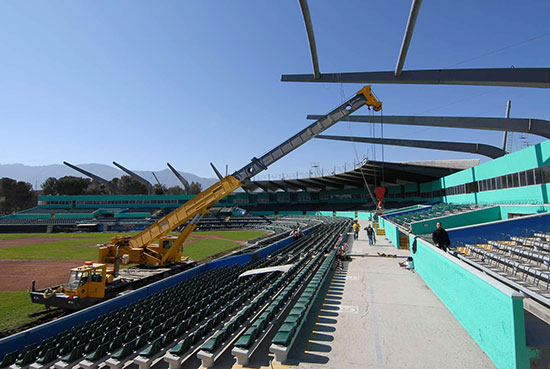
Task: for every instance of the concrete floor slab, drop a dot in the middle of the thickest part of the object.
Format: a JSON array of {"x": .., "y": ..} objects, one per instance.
[{"x": 376, "y": 314}]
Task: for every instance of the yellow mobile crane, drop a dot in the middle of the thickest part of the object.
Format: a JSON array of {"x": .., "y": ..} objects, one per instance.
[{"x": 154, "y": 247}]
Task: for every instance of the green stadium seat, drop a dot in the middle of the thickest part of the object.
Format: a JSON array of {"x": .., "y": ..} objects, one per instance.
[
  {"x": 152, "y": 349},
  {"x": 126, "y": 350},
  {"x": 50, "y": 355},
  {"x": 213, "y": 343},
  {"x": 75, "y": 354},
  {"x": 9, "y": 359},
  {"x": 92, "y": 345},
  {"x": 181, "y": 347},
  {"x": 28, "y": 356},
  {"x": 99, "y": 353}
]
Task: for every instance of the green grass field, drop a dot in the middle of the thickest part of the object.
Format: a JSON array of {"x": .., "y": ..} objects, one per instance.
[
  {"x": 234, "y": 235},
  {"x": 82, "y": 246},
  {"x": 14, "y": 309},
  {"x": 16, "y": 305},
  {"x": 204, "y": 248}
]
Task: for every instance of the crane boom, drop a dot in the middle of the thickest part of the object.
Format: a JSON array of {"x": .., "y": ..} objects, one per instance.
[
  {"x": 201, "y": 203},
  {"x": 363, "y": 97}
]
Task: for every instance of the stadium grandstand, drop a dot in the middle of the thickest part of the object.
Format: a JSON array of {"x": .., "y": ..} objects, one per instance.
[
  {"x": 496, "y": 214},
  {"x": 321, "y": 288}
]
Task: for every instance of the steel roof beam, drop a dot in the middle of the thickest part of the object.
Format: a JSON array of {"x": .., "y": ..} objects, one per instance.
[
  {"x": 309, "y": 185},
  {"x": 295, "y": 184},
  {"x": 179, "y": 177},
  {"x": 415, "y": 9},
  {"x": 537, "y": 127},
  {"x": 262, "y": 186},
  {"x": 315, "y": 184},
  {"x": 426, "y": 171},
  {"x": 473, "y": 148},
  {"x": 512, "y": 77},
  {"x": 110, "y": 186},
  {"x": 322, "y": 183},
  {"x": 311, "y": 38},
  {"x": 347, "y": 181},
  {"x": 138, "y": 178}
]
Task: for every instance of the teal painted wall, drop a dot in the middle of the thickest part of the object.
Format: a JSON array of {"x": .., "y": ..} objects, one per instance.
[
  {"x": 262, "y": 212},
  {"x": 132, "y": 215},
  {"x": 528, "y": 158},
  {"x": 536, "y": 194},
  {"x": 490, "y": 312},
  {"x": 392, "y": 211},
  {"x": 325, "y": 213},
  {"x": 33, "y": 216},
  {"x": 392, "y": 233},
  {"x": 364, "y": 215},
  {"x": 522, "y": 209},
  {"x": 458, "y": 220},
  {"x": 347, "y": 214},
  {"x": 74, "y": 215},
  {"x": 290, "y": 213}
]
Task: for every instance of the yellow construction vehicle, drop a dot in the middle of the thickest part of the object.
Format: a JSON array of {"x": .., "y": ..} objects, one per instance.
[{"x": 154, "y": 247}]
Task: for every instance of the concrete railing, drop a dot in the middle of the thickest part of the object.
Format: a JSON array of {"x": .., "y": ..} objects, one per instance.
[{"x": 491, "y": 312}]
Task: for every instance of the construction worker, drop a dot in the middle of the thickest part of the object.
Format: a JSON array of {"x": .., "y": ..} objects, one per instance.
[
  {"x": 440, "y": 237},
  {"x": 370, "y": 234},
  {"x": 356, "y": 229}
]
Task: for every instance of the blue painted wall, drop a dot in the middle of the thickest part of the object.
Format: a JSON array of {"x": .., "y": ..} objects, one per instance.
[{"x": 496, "y": 230}]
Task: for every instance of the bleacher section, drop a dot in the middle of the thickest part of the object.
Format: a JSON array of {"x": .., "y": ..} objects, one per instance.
[
  {"x": 429, "y": 212},
  {"x": 204, "y": 314},
  {"x": 58, "y": 211},
  {"x": 523, "y": 260}
]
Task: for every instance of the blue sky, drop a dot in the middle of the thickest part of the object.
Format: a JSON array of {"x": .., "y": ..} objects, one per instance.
[{"x": 189, "y": 82}]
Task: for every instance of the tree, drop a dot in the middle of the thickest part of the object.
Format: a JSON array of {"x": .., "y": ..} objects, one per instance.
[
  {"x": 50, "y": 186},
  {"x": 176, "y": 190},
  {"x": 195, "y": 188},
  {"x": 159, "y": 189},
  {"x": 96, "y": 188},
  {"x": 67, "y": 185},
  {"x": 70, "y": 185},
  {"x": 16, "y": 196},
  {"x": 129, "y": 186}
]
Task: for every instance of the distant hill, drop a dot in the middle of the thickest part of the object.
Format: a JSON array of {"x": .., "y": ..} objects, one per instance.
[{"x": 36, "y": 175}]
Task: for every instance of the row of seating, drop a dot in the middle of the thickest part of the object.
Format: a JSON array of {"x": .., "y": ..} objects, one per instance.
[
  {"x": 288, "y": 332},
  {"x": 515, "y": 266},
  {"x": 191, "y": 309},
  {"x": 525, "y": 260},
  {"x": 434, "y": 211},
  {"x": 112, "y": 327},
  {"x": 524, "y": 252},
  {"x": 58, "y": 210},
  {"x": 282, "y": 290}
]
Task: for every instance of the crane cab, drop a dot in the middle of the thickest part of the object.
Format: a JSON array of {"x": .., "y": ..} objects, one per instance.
[
  {"x": 164, "y": 246},
  {"x": 87, "y": 281}
]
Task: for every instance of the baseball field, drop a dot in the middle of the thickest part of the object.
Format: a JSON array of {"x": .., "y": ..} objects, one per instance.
[{"x": 47, "y": 259}]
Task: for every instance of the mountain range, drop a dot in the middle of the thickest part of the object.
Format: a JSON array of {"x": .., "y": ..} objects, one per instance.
[{"x": 36, "y": 175}]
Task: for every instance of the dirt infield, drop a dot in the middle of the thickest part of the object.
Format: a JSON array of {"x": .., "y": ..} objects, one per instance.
[
  {"x": 30, "y": 241},
  {"x": 17, "y": 275}
]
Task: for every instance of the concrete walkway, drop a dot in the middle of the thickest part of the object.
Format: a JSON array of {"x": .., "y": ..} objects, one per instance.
[{"x": 376, "y": 314}]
